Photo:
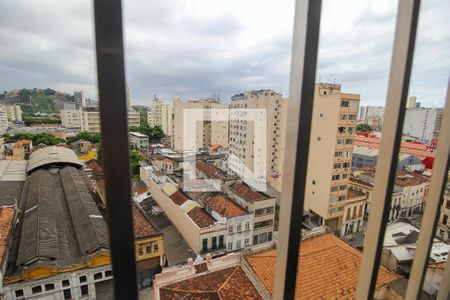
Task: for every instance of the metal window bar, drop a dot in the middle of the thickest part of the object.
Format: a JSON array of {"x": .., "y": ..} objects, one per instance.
[
  {"x": 431, "y": 213},
  {"x": 301, "y": 94},
  {"x": 114, "y": 129},
  {"x": 402, "y": 57}
]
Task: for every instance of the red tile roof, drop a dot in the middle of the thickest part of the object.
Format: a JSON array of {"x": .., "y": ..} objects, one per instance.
[
  {"x": 6, "y": 219},
  {"x": 208, "y": 170},
  {"x": 225, "y": 207},
  {"x": 143, "y": 227},
  {"x": 179, "y": 197},
  {"x": 328, "y": 269},
  {"x": 201, "y": 217},
  {"x": 229, "y": 283},
  {"x": 247, "y": 193}
]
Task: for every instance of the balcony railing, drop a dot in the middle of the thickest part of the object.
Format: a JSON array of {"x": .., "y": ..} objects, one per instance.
[{"x": 112, "y": 93}]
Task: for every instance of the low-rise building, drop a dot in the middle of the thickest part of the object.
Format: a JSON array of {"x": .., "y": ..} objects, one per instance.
[
  {"x": 443, "y": 225},
  {"x": 355, "y": 205},
  {"x": 165, "y": 164},
  {"x": 149, "y": 247},
  {"x": 368, "y": 157},
  {"x": 138, "y": 141},
  {"x": 213, "y": 175},
  {"x": 20, "y": 150},
  {"x": 261, "y": 205},
  {"x": 70, "y": 116},
  {"x": 3, "y": 119},
  {"x": 239, "y": 222},
  {"x": 60, "y": 247}
]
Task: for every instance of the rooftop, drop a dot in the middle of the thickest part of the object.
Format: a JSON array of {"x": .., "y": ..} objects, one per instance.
[
  {"x": 143, "y": 227},
  {"x": 329, "y": 269},
  {"x": 179, "y": 197},
  {"x": 52, "y": 155},
  {"x": 6, "y": 219},
  {"x": 247, "y": 193},
  {"x": 225, "y": 207},
  {"x": 59, "y": 225},
  {"x": 138, "y": 134},
  {"x": 13, "y": 170},
  {"x": 210, "y": 170},
  {"x": 200, "y": 217}
]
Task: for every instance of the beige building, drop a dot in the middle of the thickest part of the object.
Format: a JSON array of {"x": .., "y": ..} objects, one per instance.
[
  {"x": 206, "y": 132},
  {"x": 330, "y": 153},
  {"x": 243, "y": 149},
  {"x": 3, "y": 119},
  {"x": 160, "y": 114},
  {"x": 443, "y": 226},
  {"x": 14, "y": 113},
  {"x": 70, "y": 116},
  {"x": 90, "y": 119}
]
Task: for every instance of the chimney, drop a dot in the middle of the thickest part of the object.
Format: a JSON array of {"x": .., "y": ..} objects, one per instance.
[{"x": 209, "y": 258}]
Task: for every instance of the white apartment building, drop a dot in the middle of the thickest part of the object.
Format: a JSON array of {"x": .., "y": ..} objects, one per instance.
[
  {"x": 14, "y": 113},
  {"x": 70, "y": 116},
  {"x": 239, "y": 222},
  {"x": 206, "y": 132},
  {"x": 242, "y": 135},
  {"x": 330, "y": 153},
  {"x": 422, "y": 122},
  {"x": 160, "y": 114},
  {"x": 3, "y": 119}
]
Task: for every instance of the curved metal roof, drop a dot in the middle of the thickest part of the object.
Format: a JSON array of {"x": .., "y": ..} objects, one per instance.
[{"x": 52, "y": 155}]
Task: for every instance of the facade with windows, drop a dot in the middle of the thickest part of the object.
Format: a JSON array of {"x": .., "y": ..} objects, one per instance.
[
  {"x": 260, "y": 205},
  {"x": 160, "y": 114},
  {"x": 443, "y": 225},
  {"x": 139, "y": 141},
  {"x": 330, "y": 155}
]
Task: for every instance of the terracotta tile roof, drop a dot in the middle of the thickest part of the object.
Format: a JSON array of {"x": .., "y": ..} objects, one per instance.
[
  {"x": 209, "y": 170},
  {"x": 179, "y": 197},
  {"x": 225, "y": 207},
  {"x": 200, "y": 268},
  {"x": 328, "y": 269},
  {"x": 96, "y": 168},
  {"x": 6, "y": 219},
  {"x": 352, "y": 193},
  {"x": 229, "y": 283},
  {"x": 142, "y": 225},
  {"x": 437, "y": 265},
  {"x": 417, "y": 149},
  {"x": 247, "y": 193},
  {"x": 214, "y": 147},
  {"x": 201, "y": 217},
  {"x": 147, "y": 264}
]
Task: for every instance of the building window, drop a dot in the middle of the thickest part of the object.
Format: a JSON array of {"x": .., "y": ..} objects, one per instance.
[
  {"x": 204, "y": 244},
  {"x": 344, "y": 176},
  {"x": 214, "y": 242},
  {"x": 444, "y": 219},
  {"x": 109, "y": 273},
  {"x": 155, "y": 247},
  {"x": 84, "y": 290},
  {"x": 255, "y": 240},
  {"x": 67, "y": 294},
  {"x": 36, "y": 289},
  {"x": 230, "y": 229},
  {"x": 230, "y": 246},
  {"x": 337, "y": 166},
  {"x": 140, "y": 250},
  {"x": 341, "y": 198},
  {"x": 49, "y": 287},
  {"x": 221, "y": 243},
  {"x": 83, "y": 279},
  {"x": 338, "y": 154},
  {"x": 65, "y": 283},
  {"x": 335, "y": 177},
  {"x": 19, "y": 294},
  {"x": 239, "y": 227},
  {"x": 246, "y": 242},
  {"x": 341, "y": 129},
  {"x": 247, "y": 224},
  {"x": 344, "y": 103},
  {"x": 98, "y": 276},
  {"x": 334, "y": 189},
  {"x": 148, "y": 248},
  {"x": 238, "y": 244},
  {"x": 269, "y": 236},
  {"x": 342, "y": 187}
]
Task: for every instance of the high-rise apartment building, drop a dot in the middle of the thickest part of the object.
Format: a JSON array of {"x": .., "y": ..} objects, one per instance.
[
  {"x": 372, "y": 115},
  {"x": 3, "y": 119},
  {"x": 90, "y": 118},
  {"x": 330, "y": 153},
  {"x": 78, "y": 97},
  {"x": 160, "y": 114},
  {"x": 243, "y": 149},
  {"x": 422, "y": 122},
  {"x": 211, "y": 123},
  {"x": 14, "y": 113}
]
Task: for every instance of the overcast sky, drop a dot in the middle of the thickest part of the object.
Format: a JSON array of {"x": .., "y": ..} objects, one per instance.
[{"x": 199, "y": 48}]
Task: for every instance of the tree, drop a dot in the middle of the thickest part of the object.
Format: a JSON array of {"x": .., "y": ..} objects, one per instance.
[
  {"x": 363, "y": 127},
  {"x": 92, "y": 137},
  {"x": 153, "y": 133},
  {"x": 135, "y": 157}
]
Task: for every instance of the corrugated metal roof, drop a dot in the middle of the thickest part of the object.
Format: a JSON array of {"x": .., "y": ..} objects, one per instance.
[
  {"x": 52, "y": 155},
  {"x": 13, "y": 170}
]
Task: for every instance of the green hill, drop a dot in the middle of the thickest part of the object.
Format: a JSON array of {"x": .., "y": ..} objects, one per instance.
[{"x": 36, "y": 100}]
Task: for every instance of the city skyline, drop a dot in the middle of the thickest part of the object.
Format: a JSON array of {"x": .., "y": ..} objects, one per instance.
[{"x": 222, "y": 49}]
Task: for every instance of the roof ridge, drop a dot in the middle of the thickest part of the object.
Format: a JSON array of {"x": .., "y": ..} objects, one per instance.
[{"x": 226, "y": 281}]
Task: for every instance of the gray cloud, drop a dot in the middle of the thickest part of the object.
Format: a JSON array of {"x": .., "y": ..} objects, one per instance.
[{"x": 175, "y": 48}]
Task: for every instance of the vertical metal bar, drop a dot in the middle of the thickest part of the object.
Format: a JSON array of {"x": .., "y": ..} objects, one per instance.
[
  {"x": 114, "y": 128},
  {"x": 444, "y": 289},
  {"x": 301, "y": 96},
  {"x": 402, "y": 56},
  {"x": 432, "y": 211}
]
